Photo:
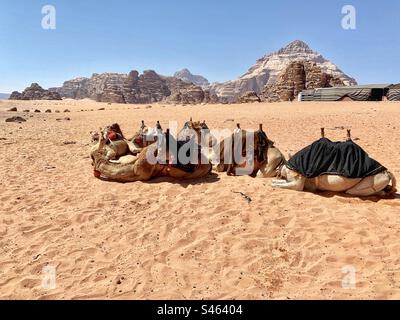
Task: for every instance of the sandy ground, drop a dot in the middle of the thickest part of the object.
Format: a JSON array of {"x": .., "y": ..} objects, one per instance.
[{"x": 191, "y": 240}]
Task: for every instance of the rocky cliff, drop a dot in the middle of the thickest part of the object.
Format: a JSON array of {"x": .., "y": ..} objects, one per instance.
[
  {"x": 148, "y": 87},
  {"x": 267, "y": 70},
  {"x": 298, "y": 76},
  {"x": 35, "y": 92}
]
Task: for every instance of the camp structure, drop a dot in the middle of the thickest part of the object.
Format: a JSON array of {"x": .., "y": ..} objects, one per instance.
[
  {"x": 371, "y": 92},
  {"x": 394, "y": 93}
]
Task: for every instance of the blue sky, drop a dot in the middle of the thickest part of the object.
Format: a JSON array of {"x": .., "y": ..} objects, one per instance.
[{"x": 217, "y": 39}]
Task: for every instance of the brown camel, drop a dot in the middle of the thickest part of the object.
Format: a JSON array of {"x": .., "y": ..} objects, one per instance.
[
  {"x": 264, "y": 157},
  {"x": 109, "y": 164}
]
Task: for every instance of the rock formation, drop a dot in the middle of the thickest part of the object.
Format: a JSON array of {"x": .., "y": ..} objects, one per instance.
[
  {"x": 249, "y": 97},
  {"x": 112, "y": 94},
  {"x": 15, "y": 95},
  {"x": 298, "y": 76},
  {"x": 153, "y": 87},
  {"x": 130, "y": 88},
  {"x": 16, "y": 119},
  {"x": 148, "y": 87},
  {"x": 184, "y": 92},
  {"x": 267, "y": 70},
  {"x": 35, "y": 92},
  {"x": 210, "y": 97},
  {"x": 187, "y": 76},
  {"x": 74, "y": 89}
]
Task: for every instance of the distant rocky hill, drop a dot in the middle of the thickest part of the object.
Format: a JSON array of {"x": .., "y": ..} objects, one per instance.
[
  {"x": 4, "y": 96},
  {"x": 267, "y": 70},
  {"x": 35, "y": 92},
  {"x": 187, "y": 76},
  {"x": 148, "y": 87}
]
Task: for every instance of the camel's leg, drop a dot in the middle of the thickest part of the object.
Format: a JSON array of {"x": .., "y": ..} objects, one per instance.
[
  {"x": 372, "y": 185},
  {"x": 295, "y": 184},
  {"x": 269, "y": 169},
  {"x": 125, "y": 159},
  {"x": 275, "y": 158}
]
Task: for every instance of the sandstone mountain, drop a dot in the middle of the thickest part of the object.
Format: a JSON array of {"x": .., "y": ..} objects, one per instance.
[
  {"x": 35, "y": 92},
  {"x": 267, "y": 70},
  {"x": 187, "y": 76},
  {"x": 148, "y": 87}
]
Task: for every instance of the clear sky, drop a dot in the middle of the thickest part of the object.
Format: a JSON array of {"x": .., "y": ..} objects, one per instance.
[{"x": 219, "y": 39}]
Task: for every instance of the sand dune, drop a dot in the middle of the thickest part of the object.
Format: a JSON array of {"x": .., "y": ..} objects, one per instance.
[{"x": 192, "y": 240}]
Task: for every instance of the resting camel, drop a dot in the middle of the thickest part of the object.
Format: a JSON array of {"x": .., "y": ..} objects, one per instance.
[
  {"x": 110, "y": 162},
  {"x": 377, "y": 184},
  {"x": 265, "y": 159},
  {"x": 118, "y": 145}
]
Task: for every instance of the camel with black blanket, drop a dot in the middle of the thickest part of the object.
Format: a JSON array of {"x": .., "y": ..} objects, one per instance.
[{"x": 337, "y": 167}]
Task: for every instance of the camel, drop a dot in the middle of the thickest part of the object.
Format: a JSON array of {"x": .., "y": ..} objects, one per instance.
[
  {"x": 117, "y": 145},
  {"x": 110, "y": 162},
  {"x": 263, "y": 161},
  {"x": 202, "y": 131},
  {"x": 374, "y": 185}
]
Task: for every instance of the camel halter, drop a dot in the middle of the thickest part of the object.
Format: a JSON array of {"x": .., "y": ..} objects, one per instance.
[{"x": 278, "y": 169}]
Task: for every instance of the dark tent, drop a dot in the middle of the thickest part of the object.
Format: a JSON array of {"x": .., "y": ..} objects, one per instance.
[{"x": 374, "y": 92}]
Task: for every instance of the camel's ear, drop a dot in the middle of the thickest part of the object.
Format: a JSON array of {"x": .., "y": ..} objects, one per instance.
[{"x": 102, "y": 141}]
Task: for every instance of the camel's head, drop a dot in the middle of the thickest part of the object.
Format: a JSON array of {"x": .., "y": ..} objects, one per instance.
[
  {"x": 146, "y": 135},
  {"x": 261, "y": 145},
  {"x": 98, "y": 153},
  {"x": 197, "y": 130},
  {"x": 112, "y": 132}
]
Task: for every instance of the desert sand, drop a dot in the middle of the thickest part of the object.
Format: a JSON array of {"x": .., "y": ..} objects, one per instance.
[{"x": 199, "y": 239}]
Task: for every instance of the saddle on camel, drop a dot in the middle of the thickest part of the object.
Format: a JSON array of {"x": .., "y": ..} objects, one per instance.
[
  {"x": 119, "y": 159},
  {"x": 257, "y": 154},
  {"x": 336, "y": 166}
]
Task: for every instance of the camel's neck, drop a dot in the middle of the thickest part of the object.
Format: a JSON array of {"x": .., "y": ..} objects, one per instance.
[{"x": 116, "y": 171}]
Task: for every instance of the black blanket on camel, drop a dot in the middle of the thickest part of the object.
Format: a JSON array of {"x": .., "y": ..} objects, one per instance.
[{"x": 346, "y": 159}]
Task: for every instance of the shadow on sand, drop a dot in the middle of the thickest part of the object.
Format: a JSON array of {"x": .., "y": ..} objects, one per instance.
[
  {"x": 375, "y": 199},
  {"x": 210, "y": 178}
]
